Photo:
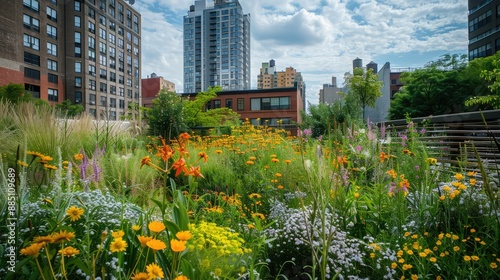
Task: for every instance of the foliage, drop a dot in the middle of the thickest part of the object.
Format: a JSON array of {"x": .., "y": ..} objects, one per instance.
[
  {"x": 166, "y": 115},
  {"x": 14, "y": 93},
  {"x": 492, "y": 75},
  {"x": 441, "y": 87},
  {"x": 365, "y": 87},
  {"x": 69, "y": 110}
]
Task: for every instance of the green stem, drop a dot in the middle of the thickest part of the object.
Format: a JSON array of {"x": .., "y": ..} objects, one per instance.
[{"x": 39, "y": 267}]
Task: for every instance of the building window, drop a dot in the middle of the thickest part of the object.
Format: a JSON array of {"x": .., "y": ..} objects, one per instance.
[
  {"x": 102, "y": 34},
  {"x": 112, "y": 76},
  {"x": 51, "y": 49},
  {"x": 92, "y": 70},
  {"x": 136, "y": 40},
  {"x": 31, "y": 42},
  {"x": 102, "y": 5},
  {"x": 51, "y": 31},
  {"x": 120, "y": 43},
  {"x": 78, "y": 82},
  {"x": 393, "y": 81},
  {"x": 78, "y": 6},
  {"x": 31, "y": 73},
  {"x": 112, "y": 52},
  {"x": 121, "y": 103},
  {"x": 102, "y": 60},
  {"x": 102, "y": 20},
  {"x": 32, "y": 4},
  {"x": 216, "y": 103},
  {"x": 51, "y": 14},
  {"x": 103, "y": 101},
  {"x": 78, "y": 97},
  {"x": 78, "y": 67},
  {"x": 77, "y": 21},
  {"x": 102, "y": 47},
  {"x": 129, "y": 93},
  {"x": 92, "y": 84},
  {"x": 54, "y": 2},
  {"x": 92, "y": 99},
  {"x": 103, "y": 73},
  {"x": 91, "y": 13},
  {"x": 51, "y": 64},
  {"x": 52, "y": 78},
  {"x": 480, "y": 21},
  {"x": 121, "y": 91},
  {"x": 91, "y": 27},
  {"x": 103, "y": 87},
  {"x": 112, "y": 102},
  {"x": 112, "y": 89},
  {"x": 92, "y": 55},
  {"x": 136, "y": 24},
  {"x": 78, "y": 38},
  {"x": 229, "y": 103},
  {"x": 52, "y": 94},
  {"x": 112, "y": 38},
  {"x": 270, "y": 103},
  {"x": 78, "y": 52},
  {"x": 33, "y": 90},
  {"x": 31, "y": 58},
  {"x": 241, "y": 104},
  {"x": 31, "y": 23}
]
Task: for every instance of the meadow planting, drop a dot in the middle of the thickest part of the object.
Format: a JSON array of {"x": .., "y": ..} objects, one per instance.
[{"x": 88, "y": 200}]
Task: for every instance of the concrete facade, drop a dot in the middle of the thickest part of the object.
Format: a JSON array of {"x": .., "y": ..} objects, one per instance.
[{"x": 484, "y": 28}]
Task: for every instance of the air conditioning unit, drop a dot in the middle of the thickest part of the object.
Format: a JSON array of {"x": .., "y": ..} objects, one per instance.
[{"x": 92, "y": 102}]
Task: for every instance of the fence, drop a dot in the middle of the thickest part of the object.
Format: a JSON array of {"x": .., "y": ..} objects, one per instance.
[{"x": 456, "y": 138}]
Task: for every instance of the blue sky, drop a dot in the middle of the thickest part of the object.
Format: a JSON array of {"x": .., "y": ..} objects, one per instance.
[{"x": 319, "y": 38}]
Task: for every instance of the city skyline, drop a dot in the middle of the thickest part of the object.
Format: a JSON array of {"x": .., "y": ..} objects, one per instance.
[{"x": 318, "y": 38}]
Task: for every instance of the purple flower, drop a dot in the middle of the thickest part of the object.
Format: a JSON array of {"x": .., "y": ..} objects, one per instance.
[{"x": 359, "y": 148}]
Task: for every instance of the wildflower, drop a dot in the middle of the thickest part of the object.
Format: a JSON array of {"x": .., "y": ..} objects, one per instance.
[
  {"x": 252, "y": 158},
  {"x": 74, "y": 213},
  {"x": 45, "y": 158},
  {"x": 407, "y": 266},
  {"x": 471, "y": 173},
  {"x": 278, "y": 175},
  {"x": 406, "y": 151},
  {"x": 136, "y": 227},
  {"x": 249, "y": 162},
  {"x": 275, "y": 160},
  {"x": 177, "y": 245},
  {"x": 156, "y": 244},
  {"x": 43, "y": 239},
  {"x": 32, "y": 250},
  {"x": 145, "y": 161},
  {"x": 218, "y": 151},
  {"x": 154, "y": 271},
  {"x": 432, "y": 161},
  {"x": 165, "y": 152},
  {"x": 78, "y": 156},
  {"x": 118, "y": 245},
  {"x": 287, "y": 161},
  {"x": 280, "y": 187},
  {"x": 414, "y": 277},
  {"x": 493, "y": 265},
  {"x": 383, "y": 156},
  {"x": 179, "y": 166},
  {"x": 392, "y": 173},
  {"x": 62, "y": 235},
  {"x": 117, "y": 234},
  {"x": 356, "y": 195},
  {"x": 181, "y": 277},
  {"x": 144, "y": 240},
  {"x": 372, "y": 255},
  {"x": 156, "y": 226},
  {"x": 183, "y": 235},
  {"x": 50, "y": 167},
  {"x": 141, "y": 276},
  {"x": 472, "y": 182},
  {"x": 69, "y": 251},
  {"x": 34, "y": 154},
  {"x": 432, "y": 259},
  {"x": 467, "y": 258},
  {"x": 394, "y": 265},
  {"x": 422, "y": 254},
  {"x": 459, "y": 176},
  {"x": 446, "y": 188},
  {"x": 194, "y": 171},
  {"x": 48, "y": 201},
  {"x": 22, "y": 163},
  {"x": 203, "y": 155},
  {"x": 254, "y": 195},
  {"x": 475, "y": 258},
  {"x": 184, "y": 136},
  {"x": 259, "y": 215}
]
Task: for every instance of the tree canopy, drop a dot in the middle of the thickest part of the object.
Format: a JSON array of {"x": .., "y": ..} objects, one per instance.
[
  {"x": 68, "y": 109},
  {"x": 365, "y": 87},
  {"x": 165, "y": 117}
]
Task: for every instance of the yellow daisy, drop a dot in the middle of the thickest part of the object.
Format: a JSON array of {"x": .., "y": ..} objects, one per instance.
[
  {"x": 154, "y": 271},
  {"x": 74, "y": 213},
  {"x": 118, "y": 245}
]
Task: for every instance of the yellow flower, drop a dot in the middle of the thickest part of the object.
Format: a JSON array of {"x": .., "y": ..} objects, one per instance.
[
  {"x": 414, "y": 277},
  {"x": 431, "y": 160},
  {"x": 275, "y": 160},
  {"x": 74, "y": 213},
  {"x": 472, "y": 182},
  {"x": 34, "y": 154},
  {"x": 32, "y": 250},
  {"x": 22, "y": 163},
  {"x": 456, "y": 248},
  {"x": 141, "y": 276},
  {"x": 467, "y": 258},
  {"x": 78, "y": 156},
  {"x": 471, "y": 173},
  {"x": 177, "y": 245},
  {"x": 218, "y": 151},
  {"x": 46, "y": 158},
  {"x": 409, "y": 252},
  {"x": 259, "y": 215},
  {"x": 459, "y": 176},
  {"x": 69, "y": 251},
  {"x": 422, "y": 254},
  {"x": 394, "y": 265},
  {"x": 254, "y": 195},
  {"x": 63, "y": 235},
  {"x": 154, "y": 271},
  {"x": 278, "y": 175},
  {"x": 51, "y": 167},
  {"x": 475, "y": 258},
  {"x": 43, "y": 239},
  {"x": 156, "y": 244},
  {"x": 117, "y": 234},
  {"x": 156, "y": 226},
  {"x": 356, "y": 195},
  {"x": 252, "y": 158},
  {"x": 145, "y": 161},
  {"x": 249, "y": 162},
  {"x": 144, "y": 240},
  {"x": 183, "y": 235},
  {"x": 136, "y": 227},
  {"x": 181, "y": 277},
  {"x": 432, "y": 259},
  {"x": 48, "y": 201},
  {"x": 280, "y": 187},
  {"x": 407, "y": 266},
  {"x": 118, "y": 245},
  {"x": 493, "y": 265},
  {"x": 287, "y": 161}
]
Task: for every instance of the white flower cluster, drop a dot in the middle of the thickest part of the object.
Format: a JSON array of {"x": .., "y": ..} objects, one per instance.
[{"x": 294, "y": 230}]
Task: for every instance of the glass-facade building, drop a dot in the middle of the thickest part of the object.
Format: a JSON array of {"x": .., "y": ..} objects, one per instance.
[{"x": 216, "y": 46}]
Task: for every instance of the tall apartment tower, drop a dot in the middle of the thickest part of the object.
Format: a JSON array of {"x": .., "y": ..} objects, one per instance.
[
  {"x": 484, "y": 30},
  {"x": 216, "y": 46},
  {"x": 84, "y": 51}
]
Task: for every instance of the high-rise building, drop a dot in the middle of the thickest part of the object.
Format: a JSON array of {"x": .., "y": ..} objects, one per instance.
[
  {"x": 84, "y": 51},
  {"x": 216, "y": 46},
  {"x": 484, "y": 28}
]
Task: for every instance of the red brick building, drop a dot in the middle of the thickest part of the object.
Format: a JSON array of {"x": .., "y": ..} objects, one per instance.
[
  {"x": 151, "y": 86},
  {"x": 262, "y": 106}
]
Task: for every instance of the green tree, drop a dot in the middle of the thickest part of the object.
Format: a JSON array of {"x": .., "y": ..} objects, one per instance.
[
  {"x": 490, "y": 73},
  {"x": 14, "y": 93},
  {"x": 365, "y": 87},
  {"x": 68, "y": 109},
  {"x": 165, "y": 117},
  {"x": 196, "y": 115}
]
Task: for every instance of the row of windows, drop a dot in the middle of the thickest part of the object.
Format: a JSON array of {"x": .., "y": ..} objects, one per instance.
[
  {"x": 480, "y": 21},
  {"x": 131, "y": 21},
  {"x": 485, "y": 50},
  {"x": 256, "y": 104},
  {"x": 270, "y": 121},
  {"x": 35, "y": 74}
]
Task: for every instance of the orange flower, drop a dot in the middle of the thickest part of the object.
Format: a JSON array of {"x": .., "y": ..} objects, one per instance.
[
  {"x": 177, "y": 245},
  {"x": 383, "y": 156},
  {"x": 32, "y": 250},
  {"x": 203, "y": 155},
  {"x": 179, "y": 166},
  {"x": 181, "y": 277},
  {"x": 392, "y": 173},
  {"x": 141, "y": 276},
  {"x": 183, "y": 235},
  {"x": 144, "y": 240},
  {"x": 156, "y": 244},
  {"x": 165, "y": 152},
  {"x": 184, "y": 136},
  {"x": 156, "y": 226},
  {"x": 78, "y": 156},
  {"x": 145, "y": 161},
  {"x": 194, "y": 171}
]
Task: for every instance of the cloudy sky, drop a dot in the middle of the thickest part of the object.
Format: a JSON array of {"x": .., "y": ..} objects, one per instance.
[{"x": 319, "y": 38}]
